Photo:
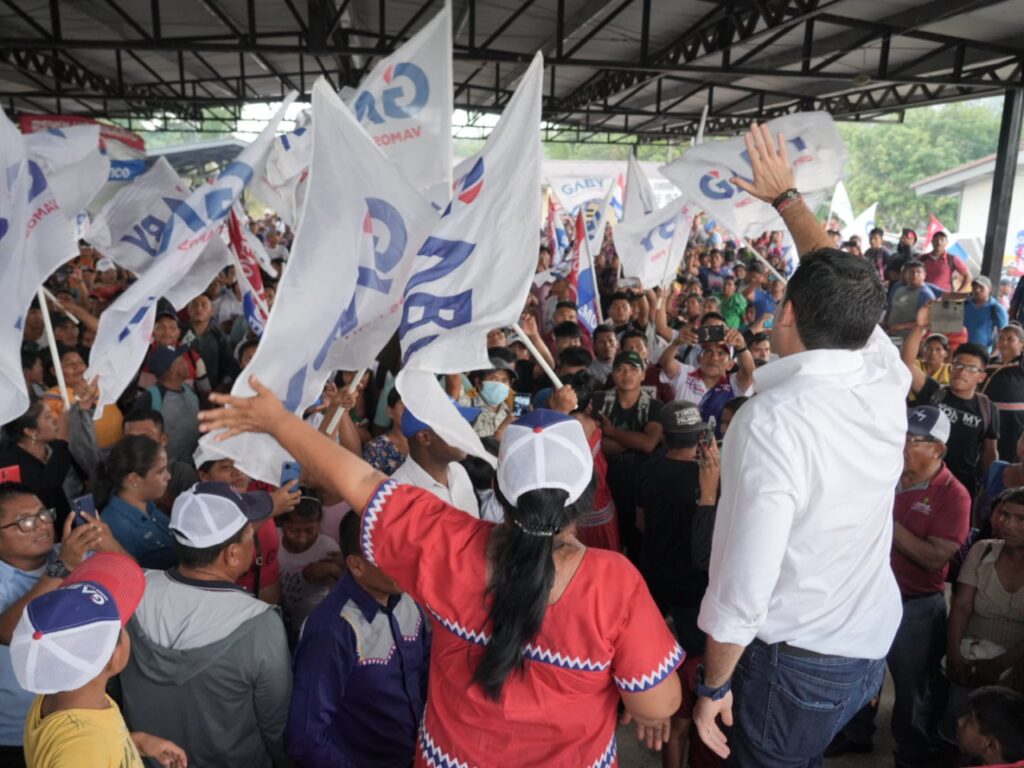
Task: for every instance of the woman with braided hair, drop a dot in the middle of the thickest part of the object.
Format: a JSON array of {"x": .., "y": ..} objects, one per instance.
[{"x": 537, "y": 638}]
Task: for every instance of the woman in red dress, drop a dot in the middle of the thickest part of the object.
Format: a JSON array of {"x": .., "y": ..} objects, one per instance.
[{"x": 536, "y": 638}]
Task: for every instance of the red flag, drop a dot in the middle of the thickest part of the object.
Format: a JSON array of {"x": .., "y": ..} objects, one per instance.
[
  {"x": 254, "y": 300},
  {"x": 934, "y": 225},
  {"x": 573, "y": 278}
]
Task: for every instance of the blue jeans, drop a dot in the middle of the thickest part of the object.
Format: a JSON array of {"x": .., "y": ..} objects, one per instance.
[{"x": 788, "y": 706}]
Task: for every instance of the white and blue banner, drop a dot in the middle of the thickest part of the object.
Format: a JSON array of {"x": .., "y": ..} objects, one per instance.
[
  {"x": 340, "y": 299},
  {"x": 474, "y": 271},
  {"x": 47, "y": 178},
  {"x": 126, "y": 327},
  {"x": 281, "y": 180},
  {"x": 652, "y": 247},
  {"x": 703, "y": 173},
  {"x": 574, "y": 192}
]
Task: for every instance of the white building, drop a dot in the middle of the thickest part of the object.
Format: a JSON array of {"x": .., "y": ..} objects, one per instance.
[{"x": 973, "y": 183}]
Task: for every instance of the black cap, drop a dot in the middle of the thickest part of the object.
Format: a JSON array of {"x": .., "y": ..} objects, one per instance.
[{"x": 628, "y": 358}]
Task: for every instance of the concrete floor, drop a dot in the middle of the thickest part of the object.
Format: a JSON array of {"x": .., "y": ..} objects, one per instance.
[{"x": 633, "y": 755}]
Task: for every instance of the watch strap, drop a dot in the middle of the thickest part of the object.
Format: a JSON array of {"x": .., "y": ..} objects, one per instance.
[{"x": 715, "y": 694}]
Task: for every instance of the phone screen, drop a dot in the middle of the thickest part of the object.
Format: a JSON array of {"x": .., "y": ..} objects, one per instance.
[
  {"x": 522, "y": 405},
  {"x": 711, "y": 333}
]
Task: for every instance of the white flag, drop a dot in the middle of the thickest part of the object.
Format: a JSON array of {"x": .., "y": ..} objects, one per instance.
[
  {"x": 46, "y": 179},
  {"x": 608, "y": 209},
  {"x": 340, "y": 297},
  {"x": 862, "y": 225},
  {"x": 476, "y": 268},
  {"x": 128, "y": 229},
  {"x": 816, "y": 152},
  {"x": 282, "y": 176},
  {"x": 841, "y": 205},
  {"x": 126, "y": 327},
  {"x": 406, "y": 104},
  {"x": 576, "y": 191},
  {"x": 639, "y": 193},
  {"x": 651, "y": 248}
]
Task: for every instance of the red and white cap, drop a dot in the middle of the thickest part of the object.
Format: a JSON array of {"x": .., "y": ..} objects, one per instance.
[
  {"x": 66, "y": 637},
  {"x": 544, "y": 449}
]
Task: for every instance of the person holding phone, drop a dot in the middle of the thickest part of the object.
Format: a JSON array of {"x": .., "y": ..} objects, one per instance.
[{"x": 724, "y": 370}]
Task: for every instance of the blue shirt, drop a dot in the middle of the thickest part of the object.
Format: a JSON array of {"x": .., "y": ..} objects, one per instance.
[
  {"x": 984, "y": 323},
  {"x": 144, "y": 536},
  {"x": 15, "y": 701},
  {"x": 360, "y": 681},
  {"x": 764, "y": 304}
]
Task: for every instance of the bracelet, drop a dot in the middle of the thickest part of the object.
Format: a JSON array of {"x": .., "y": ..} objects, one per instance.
[
  {"x": 739, "y": 350},
  {"x": 786, "y": 199}
]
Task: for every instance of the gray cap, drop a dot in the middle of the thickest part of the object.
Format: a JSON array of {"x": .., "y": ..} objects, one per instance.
[
  {"x": 983, "y": 280},
  {"x": 681, "y": 417}
]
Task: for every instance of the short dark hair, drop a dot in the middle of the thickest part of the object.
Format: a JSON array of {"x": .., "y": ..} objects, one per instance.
[
  {"x": 348, "y": 535},
  {"x": 633, "y": 333},
  {"x": 566, "y": 305},
  {"x": 146, "y": 414},
  {"x": 876, "y": 231},
  {"x": 29, "y": 358},
  {"x": 59, "y": 321},
  {"x": 734, "y": 405},
  {"x": 603, "y": 328},
  {"x": 999, "y": 713},
  {"x": 574, "y": 357},
  {"x": 711, "y": 316},
  {"x": 756, "y": 338},
  {"x": 13, "y": 490},
  {"x": 618, "y": 296},
  {"x": 567, "y": 330},
  {"x": 394, "y": 397},
  {"x": 837, "y": 298},
  {"x": 244, "y": 347},
  {"x": 974, "y": 350},
  {"x": 308, "y": 510},
  {"x": 193, "y": 557}
]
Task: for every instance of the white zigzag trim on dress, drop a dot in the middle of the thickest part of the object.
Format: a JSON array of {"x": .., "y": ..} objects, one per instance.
[
  {"x": 370, "y": 516},
  {"x": 607, "y": 758},
  {"x": 433, "y": 754},
  {"x": 660, "y": 673},
  {"x": 532, "y": 652}
]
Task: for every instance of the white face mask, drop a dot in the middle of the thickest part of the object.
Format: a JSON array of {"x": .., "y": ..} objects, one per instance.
[{"x": 494, "y": 392}]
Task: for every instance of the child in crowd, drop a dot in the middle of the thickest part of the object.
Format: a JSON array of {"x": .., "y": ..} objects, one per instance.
[
  {"x": 993, "y": 729},
  {"x": 311, "y": 563}
]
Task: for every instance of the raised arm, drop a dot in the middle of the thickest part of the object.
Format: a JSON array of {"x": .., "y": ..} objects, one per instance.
[
  {"x": 335, "y": 468},
  {"x": 773, "y": 176},
  {"x": 911, "y": 345}
]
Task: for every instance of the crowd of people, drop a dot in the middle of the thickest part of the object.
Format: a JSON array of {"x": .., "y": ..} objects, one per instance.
[{"x": 752, "y": 492}]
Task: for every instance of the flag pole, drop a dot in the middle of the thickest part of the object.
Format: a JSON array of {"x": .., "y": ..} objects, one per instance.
[
  {"x": 352, "y": 387},
  {"x": 56, "y": 301},
  {"x": 593, "y": 279},
  {"x": 52, "y": 341},
  {"x": 528, "y": 343}
]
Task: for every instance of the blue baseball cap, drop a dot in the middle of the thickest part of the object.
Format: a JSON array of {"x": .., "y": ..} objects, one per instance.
[
  {"x": 928, "y": 421},
  {"x": 162, "y": 358},
  {"x": 411, "y": 425}
]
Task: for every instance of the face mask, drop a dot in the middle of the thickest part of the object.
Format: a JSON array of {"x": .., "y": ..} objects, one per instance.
[{"x": 494, "y": 392}]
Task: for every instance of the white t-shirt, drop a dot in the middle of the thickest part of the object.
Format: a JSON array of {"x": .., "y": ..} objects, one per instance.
[{"x": 298, "y": 596}]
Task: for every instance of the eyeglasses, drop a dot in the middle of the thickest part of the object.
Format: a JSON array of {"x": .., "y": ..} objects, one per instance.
[
  {"x": 28, "y": 523},
  {"x": 968, "y": 368}
]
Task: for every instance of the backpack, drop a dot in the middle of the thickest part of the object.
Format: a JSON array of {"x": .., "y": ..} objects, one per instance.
[
  {"x": 156, "y": 396},
  {"x": 983, "y": 401}
]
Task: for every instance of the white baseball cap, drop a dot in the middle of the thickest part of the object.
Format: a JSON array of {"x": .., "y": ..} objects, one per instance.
[
  {"x": 208, "y": 514},
  {"x": 105, "y": 265},
  {"x": 65, "y": 638},
  {"x": 544, "y": 449}
]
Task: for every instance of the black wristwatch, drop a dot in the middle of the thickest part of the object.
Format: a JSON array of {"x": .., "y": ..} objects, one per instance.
[
  {"x": 57, "y": 570},
  {"x": 715, "y": 694}
]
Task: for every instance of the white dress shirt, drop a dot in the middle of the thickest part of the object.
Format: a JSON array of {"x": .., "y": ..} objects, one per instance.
[
  {"x": 459, "y": 491},
  {"x": 804, "y": 527}
]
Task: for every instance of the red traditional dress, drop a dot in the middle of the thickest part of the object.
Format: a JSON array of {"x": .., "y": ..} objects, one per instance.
[
  {"x": 603, "y": 636},
  {"x": 599, "y": 528}
]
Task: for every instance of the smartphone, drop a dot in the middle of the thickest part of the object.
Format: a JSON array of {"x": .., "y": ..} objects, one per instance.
[
  {"x": 628, "y": 284},
  {"x": 11, "y": 474},
  {"x": 947, "y": 316},
  {"x": 521, "y": 406},
  {"x": 82, "y": 504},
  {"x": 708, "y": 437},
  {"x": 290, "y": 470},
  {"x": 709, "y": 334}
]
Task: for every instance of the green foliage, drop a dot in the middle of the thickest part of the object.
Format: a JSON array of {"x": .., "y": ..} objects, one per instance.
[{"x": 886, "y": 159}]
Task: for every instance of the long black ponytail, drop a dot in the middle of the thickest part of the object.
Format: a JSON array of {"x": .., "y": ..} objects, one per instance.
[{"x": 523, "y": 573}]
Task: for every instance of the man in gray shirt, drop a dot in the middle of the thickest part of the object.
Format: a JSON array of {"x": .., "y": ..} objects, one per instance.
[{"x": 175, "y": 400}]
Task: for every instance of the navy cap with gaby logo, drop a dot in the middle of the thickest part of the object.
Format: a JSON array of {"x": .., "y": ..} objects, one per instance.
[{"x": 65, "y": 638}]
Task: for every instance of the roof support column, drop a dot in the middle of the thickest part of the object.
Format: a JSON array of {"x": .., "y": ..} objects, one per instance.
[{"x": 1002, "y": 185}]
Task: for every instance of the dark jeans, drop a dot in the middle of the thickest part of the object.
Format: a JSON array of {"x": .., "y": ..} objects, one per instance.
[{"x": 789, "y": 704}]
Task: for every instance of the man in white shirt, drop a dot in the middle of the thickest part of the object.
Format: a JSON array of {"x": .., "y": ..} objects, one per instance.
[
  {"x": 802, "y": 605},
  {"x": 434, "y": 465}
]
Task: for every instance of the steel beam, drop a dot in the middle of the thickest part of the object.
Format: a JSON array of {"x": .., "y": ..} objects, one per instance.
[{"x": 1002, "y": 186}]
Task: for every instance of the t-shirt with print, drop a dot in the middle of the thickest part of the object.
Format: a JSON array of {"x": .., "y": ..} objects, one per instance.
[
  {"x": 298, "y": 596},
  {"x": 939, "y": 508},
  {"x": 967, "y": 432}
]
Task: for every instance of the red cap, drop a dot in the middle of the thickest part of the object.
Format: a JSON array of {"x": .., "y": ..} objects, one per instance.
[{"x": 118, "y": 574}]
